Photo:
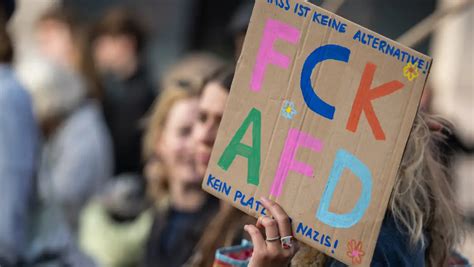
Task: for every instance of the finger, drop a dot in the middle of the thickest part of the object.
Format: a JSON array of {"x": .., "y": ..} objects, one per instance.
[
  {"x": 257, "y": 238},
  {"x": 271, "y": 233},
  {"x": 283, "y": 221},
  {"x": 259, "y": 222}
]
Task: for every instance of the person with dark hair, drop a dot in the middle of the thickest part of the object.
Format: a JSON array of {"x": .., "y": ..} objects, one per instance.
[
  {"x": 18, "y": 151},
  {"x": 117, "y": 47},
  {"x": 211, "y": 108},
  {"x": 118, "y": 29},
  {"x": 226, "y": 227}
]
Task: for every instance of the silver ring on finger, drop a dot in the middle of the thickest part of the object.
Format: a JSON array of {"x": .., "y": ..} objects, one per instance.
[
  {"x": 287, "y": 242},
  {"x": 272, "y": 239}
]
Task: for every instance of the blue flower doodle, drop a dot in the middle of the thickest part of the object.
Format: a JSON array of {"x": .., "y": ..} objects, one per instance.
[{"x": 288, "y": 110}]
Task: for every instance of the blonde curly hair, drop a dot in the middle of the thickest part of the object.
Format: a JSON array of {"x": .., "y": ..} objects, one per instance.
[{"x": 422, "y": 200}]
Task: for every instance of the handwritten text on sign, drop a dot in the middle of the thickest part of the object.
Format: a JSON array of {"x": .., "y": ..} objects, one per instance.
[
  {"x": 366, "y": 93},
  {"x": 327, "y": 78}
]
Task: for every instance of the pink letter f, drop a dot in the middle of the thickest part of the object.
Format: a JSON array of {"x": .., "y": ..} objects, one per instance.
[
  {"x": 294, "y": 140},
  {"x": 274, "y": 30}
]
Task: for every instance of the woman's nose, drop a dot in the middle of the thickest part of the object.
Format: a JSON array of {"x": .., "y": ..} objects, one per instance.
[{"x": 209, "y": 133}]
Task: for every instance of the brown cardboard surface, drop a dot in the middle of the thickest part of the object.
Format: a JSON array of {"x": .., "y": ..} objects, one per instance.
[{"x": 317, "y": 152}]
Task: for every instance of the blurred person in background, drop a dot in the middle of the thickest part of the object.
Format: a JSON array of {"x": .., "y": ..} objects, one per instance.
[
  {"x": 226, "y": 227},
  {"x": 115, "y": 225},
  {"x": 181, "y": 207},
  {"x": 63, "y": 39},
  {"x": 77, "y": 154},
  {"x": 57, "y": 40},
  {"x": 118, "y": 43},
  {"x": 191, "y": 71},
  {"x": 18, "y": 151}
]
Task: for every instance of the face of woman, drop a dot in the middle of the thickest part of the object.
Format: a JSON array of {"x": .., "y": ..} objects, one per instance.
[
  {"x": 211, "y": 108},
  {"x": 174, "y": 147}
]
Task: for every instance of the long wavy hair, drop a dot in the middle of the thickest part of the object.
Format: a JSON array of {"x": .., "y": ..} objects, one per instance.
[
  {"x": 228, "y": 223},
  {"x": 422, "y": 201},
  {"x": 157, "y": 175}
]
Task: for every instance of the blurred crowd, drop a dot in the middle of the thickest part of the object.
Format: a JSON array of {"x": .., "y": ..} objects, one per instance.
[{"x": 100, "y": 165}]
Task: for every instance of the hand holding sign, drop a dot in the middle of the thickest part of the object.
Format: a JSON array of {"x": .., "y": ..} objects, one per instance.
[
  {"x": 269, "y": 250},
  {"x": 318, "y": 118}
]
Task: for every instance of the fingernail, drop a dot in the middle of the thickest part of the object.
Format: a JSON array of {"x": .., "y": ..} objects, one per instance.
[
  {"x": 264, "y": 199},
  {"x": 245, "y": 227}
]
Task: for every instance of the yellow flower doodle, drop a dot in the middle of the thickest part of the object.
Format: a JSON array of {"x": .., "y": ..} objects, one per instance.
[{"x": 410, "y": 71}]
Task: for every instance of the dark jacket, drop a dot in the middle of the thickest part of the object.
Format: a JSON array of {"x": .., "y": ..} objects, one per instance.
[
  {"x": 125, "y": 104},
  {"x": 393, "y": 248},
  {"x": 174, "y": 234}
]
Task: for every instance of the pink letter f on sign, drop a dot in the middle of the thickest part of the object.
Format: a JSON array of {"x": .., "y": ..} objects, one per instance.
[
  {"x": 294, "y": 140},
  {"x": 274, "y": 30}
]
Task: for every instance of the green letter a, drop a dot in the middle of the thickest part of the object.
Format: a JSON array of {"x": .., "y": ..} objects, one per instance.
[{"x": 252, "y": 153}]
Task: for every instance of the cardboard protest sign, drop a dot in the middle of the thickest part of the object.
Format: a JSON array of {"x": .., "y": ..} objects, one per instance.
[{"x": 318, "y": 117}]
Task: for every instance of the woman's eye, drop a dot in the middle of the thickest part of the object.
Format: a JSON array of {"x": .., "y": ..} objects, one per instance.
[
  {"x": 202, "y": 117},
  {"x": 185, "y": 131}
]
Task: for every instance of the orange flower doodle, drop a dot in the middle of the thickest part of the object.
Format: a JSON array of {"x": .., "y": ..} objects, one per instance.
[
  {"x": 354, "y": 251},
  {"x": 410, "y": 71}
]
